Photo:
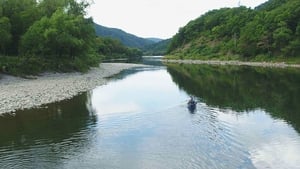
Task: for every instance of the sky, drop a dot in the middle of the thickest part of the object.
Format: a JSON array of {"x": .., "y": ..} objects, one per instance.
[{"x": 156, "y": 18}]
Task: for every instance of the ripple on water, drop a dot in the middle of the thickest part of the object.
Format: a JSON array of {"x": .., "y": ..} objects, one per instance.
[
  {"x": 169, "y": 138},
  {"x": 219, "y": 143},
  {"x": 173, "y": 138}
]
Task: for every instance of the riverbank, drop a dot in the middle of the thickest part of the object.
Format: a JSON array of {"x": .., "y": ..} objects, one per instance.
[
  {"x": 18, "y": 93},
  {"x": 237, "y": 63}
]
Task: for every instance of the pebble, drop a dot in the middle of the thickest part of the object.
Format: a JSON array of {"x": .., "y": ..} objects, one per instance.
[
  {"x": 18, "y": 94},
  {"x": 238, "y": 63}
]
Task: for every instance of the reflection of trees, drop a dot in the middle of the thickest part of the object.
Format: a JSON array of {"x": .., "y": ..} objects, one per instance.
[
  {"x": 243, "y": 88},
  {"x": 56, "y": 122}
]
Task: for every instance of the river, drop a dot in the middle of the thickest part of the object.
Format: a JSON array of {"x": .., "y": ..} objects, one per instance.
[{"x": 245, "y": 118}]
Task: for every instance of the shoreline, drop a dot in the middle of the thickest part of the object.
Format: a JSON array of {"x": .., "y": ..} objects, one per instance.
[
  {"x": 234, "y": 63},
  {"x": 18, "y": 94}
]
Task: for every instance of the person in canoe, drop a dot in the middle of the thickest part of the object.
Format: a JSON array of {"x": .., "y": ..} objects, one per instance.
[{"x": 192, "y": 104}]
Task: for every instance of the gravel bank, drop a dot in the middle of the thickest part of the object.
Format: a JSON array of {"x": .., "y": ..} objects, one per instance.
[
  {"x": 238, "y": 63},
  {"x": 18, "y": 93}
]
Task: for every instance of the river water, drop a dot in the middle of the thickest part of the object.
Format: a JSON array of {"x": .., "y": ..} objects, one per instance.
[{"x": 245, "y": 118}]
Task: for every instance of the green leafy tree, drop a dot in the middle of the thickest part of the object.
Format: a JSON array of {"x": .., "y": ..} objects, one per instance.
[
  {"x": 113, "y": 49},
  {"x": 293, "y": 49},
  {"x": 270, "y": 30},
  {"x": 251, "y": 36},
  {"x": 21, "y": 14},
  {"x": 60, "y": 36},
  {"x": 5, "y": 28},
  {"x": 282, "y": 35},
  {"x": 49, "y": 7}
]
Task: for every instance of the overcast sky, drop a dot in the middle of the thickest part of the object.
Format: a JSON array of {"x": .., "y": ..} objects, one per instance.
[{"x": 156, "y": 18}]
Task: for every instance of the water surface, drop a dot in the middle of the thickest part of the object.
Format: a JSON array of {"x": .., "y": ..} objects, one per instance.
[{"x": 245, "y": 118}]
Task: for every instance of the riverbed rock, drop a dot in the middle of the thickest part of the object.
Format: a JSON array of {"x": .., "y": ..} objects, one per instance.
[{"x": 19, "y": 93}]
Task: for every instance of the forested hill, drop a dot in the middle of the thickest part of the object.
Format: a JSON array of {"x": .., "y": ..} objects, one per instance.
[
  {"x": 157, "y": 49},
  {"x": 271, "y": 30},
  {"x": 125, "y": 38},
  {"x": 52, "y": 35}
]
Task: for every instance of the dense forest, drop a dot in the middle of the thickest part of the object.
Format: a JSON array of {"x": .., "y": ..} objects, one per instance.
[
  {"x": 111, "y": 49},
  {"x": 125, "y": 38},
  {"x": 149, "y": 46},
  {"x": 50, "y": 35},
  {"x": 157, "y": 49},
  {"x": 271, "y": 31}
]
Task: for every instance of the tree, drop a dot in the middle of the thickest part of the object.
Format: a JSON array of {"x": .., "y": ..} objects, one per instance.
[
  {"x": 270, "y": 29},
  {"x": 60, "y": 36},
  {"x": 111, "y": 49},
  {"x": 49, "y": 7},
  {"x": 21, "y": 14},
  {"x": 5, "y": 28},
  {"x": 293, "y": 48},
  {"x": 282, "y": 35}
]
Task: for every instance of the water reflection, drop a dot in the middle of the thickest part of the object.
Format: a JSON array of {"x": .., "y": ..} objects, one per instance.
[
  {"x": 271, "y": 143},
  {"x": 143, "y": 92},
  {"x": 243, "y": 88},
  {"x": 154, "y": 128},
  {"x": 254, "y": 103},
  {"x": 50, "y": 133},
  {"x": 141, "y": 120},
  {"x": 152, "y": 60}
]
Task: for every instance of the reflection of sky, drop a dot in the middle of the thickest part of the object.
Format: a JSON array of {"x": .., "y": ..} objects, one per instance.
[
  {"x": 265, "y": 142},
  {"x": 144, "y": 91},
  {"x": 143, "y": 122},
  {"x": 271, "y": 143}
]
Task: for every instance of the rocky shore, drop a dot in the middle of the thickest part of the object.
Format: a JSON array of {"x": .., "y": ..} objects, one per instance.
[
  {"x": 238, "y": 63},
  {"x": 18, "y": 93}
]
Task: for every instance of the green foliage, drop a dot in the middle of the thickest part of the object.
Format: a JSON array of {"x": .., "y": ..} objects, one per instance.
[
  {"x": 5, "y": 28},
  {"x": 21, "y": 65},
  {"x": 157, "y": 49},
  {"x": 21, "y": 14},
  {"x": 205, "y": 35},
  {"x": 270, "y": 5},
  {"x": 53, "y": 34},
  {"x": 48, "y": 7},
  {"x": 31, "y": 65},
  {"x": 243, "y": 88},
  {"x": 271, "y": 29},
  {"x": 126, "y": 39},
  {"x": 282, "y": 35},
  {"x": 60, "y": 36},
  {"x": 114, "y": 49}
]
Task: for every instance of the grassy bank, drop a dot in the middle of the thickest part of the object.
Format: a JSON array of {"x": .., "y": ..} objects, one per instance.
[{"x": 22, "y": 66}]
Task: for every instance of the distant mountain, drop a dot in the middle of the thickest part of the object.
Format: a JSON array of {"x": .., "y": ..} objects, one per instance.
[
  {"x": 125, "y": 38},
  {"x": 157, "y": 49},
  {"x": 156, "y": 40}
]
